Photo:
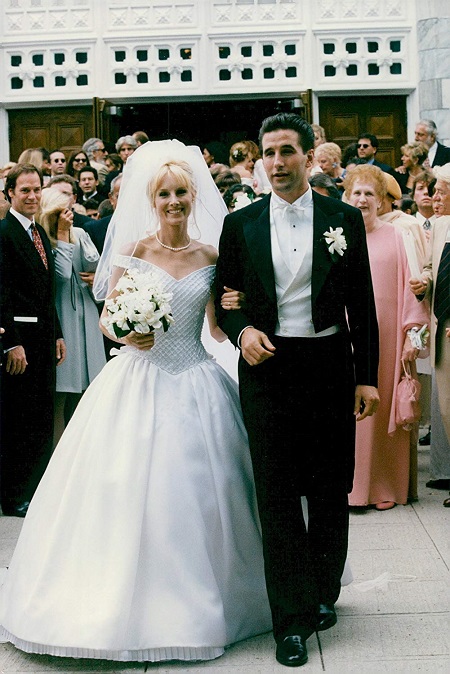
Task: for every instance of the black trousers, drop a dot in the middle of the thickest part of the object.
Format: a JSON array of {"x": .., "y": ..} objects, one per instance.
[
  {"x": 298, "y": 410},
  {"x": 26, "y": 423}
]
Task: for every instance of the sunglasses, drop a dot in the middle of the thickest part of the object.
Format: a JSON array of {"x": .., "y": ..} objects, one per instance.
[
  {"x": 59, "y": 161},
  {"x": 363, "y": 145},
  {"x": 83, "y": 159}
]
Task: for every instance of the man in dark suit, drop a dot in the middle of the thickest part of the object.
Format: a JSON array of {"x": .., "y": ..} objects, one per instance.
[
  {"x": 306, "y": 330},
  {"x": 97, "y": 228},
  {"x": 426, "y": 132},
  {"x": 367, "y": 150},
  {"x": 31, "y": 331},
  {"x": 89, "y": 187}
]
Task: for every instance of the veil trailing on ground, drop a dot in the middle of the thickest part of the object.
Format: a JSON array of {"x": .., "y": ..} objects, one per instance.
[{"x": 134, "y": 217}]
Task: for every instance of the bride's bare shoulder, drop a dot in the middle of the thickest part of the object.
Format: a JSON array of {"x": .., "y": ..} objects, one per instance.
[
  {"x": 136, "y": 248},
  {"x": 209, "y": 253}
]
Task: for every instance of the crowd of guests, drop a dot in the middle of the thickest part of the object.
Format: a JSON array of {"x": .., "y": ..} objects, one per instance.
[
  {"x": 338, "y": 277},
  {"x": 79, "y": 194}
]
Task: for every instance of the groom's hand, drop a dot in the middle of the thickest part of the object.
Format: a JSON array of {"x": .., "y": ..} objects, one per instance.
[{"x": 256, "y": 347}]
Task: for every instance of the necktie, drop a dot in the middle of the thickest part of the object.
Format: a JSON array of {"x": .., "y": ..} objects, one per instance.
[
  {"x": 442, "y": 289},
  {"x": 38, "y": 244},
  {"x": 426, "y": 224}
]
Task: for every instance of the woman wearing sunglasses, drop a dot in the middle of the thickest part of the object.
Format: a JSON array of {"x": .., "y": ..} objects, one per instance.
[{"x": 78, "y": 160}]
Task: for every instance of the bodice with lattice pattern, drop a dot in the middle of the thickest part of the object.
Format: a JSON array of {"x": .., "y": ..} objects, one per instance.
[{"x": 180, "y": 348}]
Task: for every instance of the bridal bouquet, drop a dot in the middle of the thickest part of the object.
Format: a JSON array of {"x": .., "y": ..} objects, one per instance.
[{"x": 141, "y": 305}]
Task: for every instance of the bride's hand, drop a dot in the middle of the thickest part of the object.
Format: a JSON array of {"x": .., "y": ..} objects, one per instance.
[
  {"x": 144, "y": 342},
  {"x": 232, "y": 299}
]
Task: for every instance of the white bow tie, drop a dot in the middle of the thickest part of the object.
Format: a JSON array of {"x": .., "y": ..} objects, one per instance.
[{"x": 290, "y": 208}]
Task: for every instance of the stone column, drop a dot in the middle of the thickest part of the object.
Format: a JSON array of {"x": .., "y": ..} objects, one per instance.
[
  {"x": 4, "y": 137},
  {"x": 433, "y": 39}
]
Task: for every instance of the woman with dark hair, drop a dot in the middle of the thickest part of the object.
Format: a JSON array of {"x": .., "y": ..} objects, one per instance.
[
  {"x": 226, "y": 179},
  {"x": 78, "y": 160},
  {"x": 237, "y": 196},
  {"x": 215, "y": 152},
  {"x": 323, "y": 184},
  {"x": 114, "y": 164}
]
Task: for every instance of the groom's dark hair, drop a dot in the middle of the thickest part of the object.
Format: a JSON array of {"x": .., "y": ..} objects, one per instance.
[{"x": 289, "y": 121}]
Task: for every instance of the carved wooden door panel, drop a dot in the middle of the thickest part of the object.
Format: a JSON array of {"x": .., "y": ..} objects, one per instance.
[
  {"x": 63, "y": 128},
  {"x": 345, "y": 117}
]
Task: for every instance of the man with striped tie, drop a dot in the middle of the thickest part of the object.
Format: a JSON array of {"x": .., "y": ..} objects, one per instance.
[
  {"x": 31, "y": 325},
  {"x": 435, "y": 286}
]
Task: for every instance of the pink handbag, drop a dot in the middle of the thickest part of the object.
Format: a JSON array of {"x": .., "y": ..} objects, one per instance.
[{"x": 407, "y": 411}]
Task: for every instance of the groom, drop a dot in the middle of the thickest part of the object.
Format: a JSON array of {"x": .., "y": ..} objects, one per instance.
[{"x": 308, "y": 336}]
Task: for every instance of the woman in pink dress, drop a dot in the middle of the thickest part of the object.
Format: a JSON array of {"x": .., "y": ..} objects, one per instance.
[{"x": 382, "y": 469}]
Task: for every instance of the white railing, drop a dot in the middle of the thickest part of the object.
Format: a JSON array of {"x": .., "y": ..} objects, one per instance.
[{"x": 53, "y": 50}]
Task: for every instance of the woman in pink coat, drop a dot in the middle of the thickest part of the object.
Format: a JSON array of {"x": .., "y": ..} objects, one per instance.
[{"x": 382, "y": 469}]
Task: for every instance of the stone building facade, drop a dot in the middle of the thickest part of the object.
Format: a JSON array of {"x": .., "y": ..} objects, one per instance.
[{"x": 213, "y": 68}]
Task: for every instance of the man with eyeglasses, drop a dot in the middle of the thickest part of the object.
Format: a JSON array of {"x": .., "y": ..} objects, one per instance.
[
  {"x": 97, "y": 153},
  {"x": 426, "y": 132},
  {"x": 367, "y": 149},
  {"x": 57, "y": 163}
]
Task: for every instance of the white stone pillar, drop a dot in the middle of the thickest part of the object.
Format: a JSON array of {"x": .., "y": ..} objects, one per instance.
[
  {"x": 4, "y": 136},
  {"x": 433, "y": 40}
]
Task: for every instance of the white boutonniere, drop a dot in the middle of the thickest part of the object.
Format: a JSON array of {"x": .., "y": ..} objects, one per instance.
[{"x": 335, "y": 241}]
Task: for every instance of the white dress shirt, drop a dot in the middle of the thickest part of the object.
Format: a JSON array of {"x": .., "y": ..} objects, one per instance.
[
  {"x": 291, "y": 234},
  {"x": 432, "y": 153},
  {"x": 24, "y": 221}
]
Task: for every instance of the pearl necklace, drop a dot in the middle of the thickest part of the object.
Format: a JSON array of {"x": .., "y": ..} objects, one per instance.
[{"x": 175, "y": 250}]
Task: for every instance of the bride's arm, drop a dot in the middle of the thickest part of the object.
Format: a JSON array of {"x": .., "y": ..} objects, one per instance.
[{"x": 216, "y": 332}]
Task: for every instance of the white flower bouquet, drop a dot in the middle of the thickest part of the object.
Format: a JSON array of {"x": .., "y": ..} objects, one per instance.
[{"x": 141, "y": 305}]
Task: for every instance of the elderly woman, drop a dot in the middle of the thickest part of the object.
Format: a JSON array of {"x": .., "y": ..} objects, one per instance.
[
  {"x": 382, "y": 469},
  {"x": 75, "y": 261},
  {"x": 125, "y": 146},
  {"x": 413, "y": 157},
  {"x": 328, "y": 157}
]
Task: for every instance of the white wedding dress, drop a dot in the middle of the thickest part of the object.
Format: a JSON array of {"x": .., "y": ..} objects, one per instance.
[{"x": 142, "y": 541}]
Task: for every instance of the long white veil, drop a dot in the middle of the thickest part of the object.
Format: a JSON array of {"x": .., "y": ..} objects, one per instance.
[{"x": 134, "y": 218}]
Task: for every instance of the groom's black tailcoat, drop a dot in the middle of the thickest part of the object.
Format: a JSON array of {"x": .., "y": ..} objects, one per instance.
[
  {"x": 298, "y": 405},
  {"x": 27, "y": 290}
]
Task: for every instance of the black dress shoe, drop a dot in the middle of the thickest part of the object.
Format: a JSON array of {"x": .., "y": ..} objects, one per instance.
[
  {"x": 425, "y": 440},
  {"x": 16, "y": 511},
  {"x": 327, "y": 617},
  {"x": 446, "y": 503},
  {"x": 291, "y": 651},
  {"x": 438, "y": 484}
]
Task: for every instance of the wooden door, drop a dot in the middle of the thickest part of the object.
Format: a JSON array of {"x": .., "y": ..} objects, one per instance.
[
  {"x": 345, "y": 117},
  {"x": 62, "y": 128}
]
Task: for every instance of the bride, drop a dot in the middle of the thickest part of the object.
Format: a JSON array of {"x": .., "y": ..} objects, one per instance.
[{"x": 142, "y": 541}]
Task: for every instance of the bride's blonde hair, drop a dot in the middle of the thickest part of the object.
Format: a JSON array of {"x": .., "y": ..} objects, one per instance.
[
  {"x": 53, "y": 202},
  {"x": 180, "y": 170}
]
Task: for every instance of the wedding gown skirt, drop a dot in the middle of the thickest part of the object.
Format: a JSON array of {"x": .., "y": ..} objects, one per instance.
[{"x": 142, "y": 541}]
